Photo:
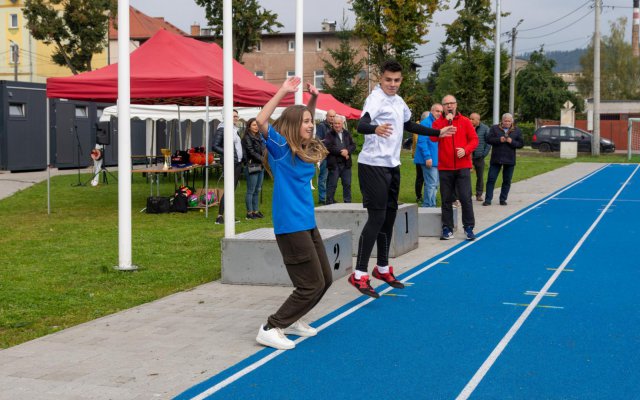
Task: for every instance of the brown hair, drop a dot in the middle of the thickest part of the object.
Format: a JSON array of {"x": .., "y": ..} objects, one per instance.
[{"x": 288, "y": 125}]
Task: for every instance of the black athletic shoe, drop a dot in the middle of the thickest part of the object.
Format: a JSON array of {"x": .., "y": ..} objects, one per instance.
[
  {"x": 388, "y": 277},
  {"x": 363, "y": 285},
  {"x": 258, "y": 215}
]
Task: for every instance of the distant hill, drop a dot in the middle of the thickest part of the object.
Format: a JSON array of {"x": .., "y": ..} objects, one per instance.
[{"x": 566, "y": 61}]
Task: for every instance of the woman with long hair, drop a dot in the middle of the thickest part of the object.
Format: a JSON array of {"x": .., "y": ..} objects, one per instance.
[
  {"x": 253, "y": 148},
  {"x": 293, "y": 154}
]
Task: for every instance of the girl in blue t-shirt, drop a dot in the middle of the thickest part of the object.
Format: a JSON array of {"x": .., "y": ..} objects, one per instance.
[{"x": 293, "y": 153}]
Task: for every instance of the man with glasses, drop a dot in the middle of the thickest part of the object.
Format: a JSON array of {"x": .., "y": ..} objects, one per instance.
[{"x": 454, "y": 167}]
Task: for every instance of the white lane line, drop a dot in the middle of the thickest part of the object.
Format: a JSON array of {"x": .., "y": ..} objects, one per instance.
[
  {"x": 603, "y": 200},
  {"x": 271, "y": 356},
  {"x": 488, "y": 363}
]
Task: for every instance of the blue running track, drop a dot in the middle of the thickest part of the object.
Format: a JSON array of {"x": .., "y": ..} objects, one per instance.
[{"x": 544, "y": 305}]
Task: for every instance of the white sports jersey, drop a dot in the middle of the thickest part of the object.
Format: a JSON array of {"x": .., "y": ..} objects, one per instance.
[{"x": 384, "y": 109}]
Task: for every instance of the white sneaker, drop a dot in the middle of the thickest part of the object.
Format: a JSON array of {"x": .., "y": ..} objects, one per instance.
[
  {"x": 274, "y": 338},
  {"x": 300, "y": 328}
]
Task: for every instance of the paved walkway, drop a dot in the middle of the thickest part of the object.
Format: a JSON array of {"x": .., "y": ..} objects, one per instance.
[{"x": 159, "y": 349}]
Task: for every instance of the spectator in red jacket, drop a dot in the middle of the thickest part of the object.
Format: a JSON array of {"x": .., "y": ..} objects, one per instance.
[{"x": 454, "y": 167}]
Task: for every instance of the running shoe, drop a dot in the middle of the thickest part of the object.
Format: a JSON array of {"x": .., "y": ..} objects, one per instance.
[
  {"x": 363, "y": 285},
  {"x": 388, "y": 277}
]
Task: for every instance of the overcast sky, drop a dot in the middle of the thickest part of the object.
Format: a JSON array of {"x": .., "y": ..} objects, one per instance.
[{"x": 569, "y": 23}]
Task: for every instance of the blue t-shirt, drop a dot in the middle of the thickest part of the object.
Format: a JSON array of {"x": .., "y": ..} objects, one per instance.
[{"x": 292, "y": 207}]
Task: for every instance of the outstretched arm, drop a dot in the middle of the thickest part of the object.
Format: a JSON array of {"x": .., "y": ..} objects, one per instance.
[
  {"x": 424, "y": 131},
  {"x": 289, "y": 86}
]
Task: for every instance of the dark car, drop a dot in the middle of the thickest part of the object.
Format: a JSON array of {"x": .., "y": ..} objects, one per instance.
[{"x": 548, "y": 138}]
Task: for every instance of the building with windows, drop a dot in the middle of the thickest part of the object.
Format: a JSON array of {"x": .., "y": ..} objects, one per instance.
[
  {"x": 22, "y": 56},
  {"x": 274, "y": 57},
  {"x": 141, "y": 28},
  {"x": 30, "y": 60}
]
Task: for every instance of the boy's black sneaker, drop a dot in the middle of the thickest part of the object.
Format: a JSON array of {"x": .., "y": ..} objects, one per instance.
[{"x": 363, "y": 285}]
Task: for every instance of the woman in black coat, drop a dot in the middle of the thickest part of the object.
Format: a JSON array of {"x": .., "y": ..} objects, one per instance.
[
  {"x": 253, "y": 148},
  {"x": 504, "y": 139}
]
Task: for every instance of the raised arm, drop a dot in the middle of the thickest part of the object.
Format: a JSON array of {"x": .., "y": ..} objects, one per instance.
[
  {"x": 289, "y": 86},
  {"x": 311, "y": 105}
]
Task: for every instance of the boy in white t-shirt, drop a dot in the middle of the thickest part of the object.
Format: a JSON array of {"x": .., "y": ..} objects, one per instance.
[{"x": 384, "y": 118}]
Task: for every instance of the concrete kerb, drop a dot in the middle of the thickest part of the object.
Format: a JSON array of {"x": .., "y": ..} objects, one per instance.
[{"x": 159, "y": 349}]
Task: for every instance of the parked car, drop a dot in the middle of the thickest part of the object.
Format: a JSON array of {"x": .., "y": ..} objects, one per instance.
[{"x": 548, "y": 138}]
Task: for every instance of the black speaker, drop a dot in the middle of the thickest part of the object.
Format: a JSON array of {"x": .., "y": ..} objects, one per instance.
[{"x": 102, "y": 133}]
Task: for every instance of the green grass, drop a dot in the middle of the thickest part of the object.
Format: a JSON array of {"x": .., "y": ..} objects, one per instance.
[{"x": 57, "y": 271}]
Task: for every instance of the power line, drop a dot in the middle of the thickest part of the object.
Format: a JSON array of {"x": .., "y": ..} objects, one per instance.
[
  {"x": 561, "y": 29},
  {"x": 555, "y": 44},
  {"x": 553, "y": 22}
]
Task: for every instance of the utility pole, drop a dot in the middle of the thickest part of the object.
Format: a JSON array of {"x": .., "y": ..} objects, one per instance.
[
  {"x": 512, "y": 80},
  {"x": 595, "y": 144},
  {"x": 636, "y": 28},
  {"x": 15, "y": 59},
  {"x": 496, "y": 69}
]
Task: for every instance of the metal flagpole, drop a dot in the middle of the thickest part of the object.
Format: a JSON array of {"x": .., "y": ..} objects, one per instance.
[
  {"x": 48, "y": 131},
  {"x": 229, "y": 195},
  {"x": 206, "y": 157},
  {"x": 299, "y": 50},
  {"x": 496, "y": 69},
  {"x": 124, "y": 141}
]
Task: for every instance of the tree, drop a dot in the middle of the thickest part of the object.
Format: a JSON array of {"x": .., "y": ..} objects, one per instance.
[
  {"x": 474, "y": 25},
  {"x": 78, "y": 32},
  {"x": 540, "y": 92},
  {"x": 441, "y": 58},
  {"x": 619, "y": 70},
  {"x": 249, "y": 22},
  {"x": 347, "y": 86},
  {"x": 393, "y": 28}
]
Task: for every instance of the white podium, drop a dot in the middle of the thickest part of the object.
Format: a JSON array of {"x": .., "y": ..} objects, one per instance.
[
  {"x": 353, "y": 216},
  {"x": 253, "y": 258}
]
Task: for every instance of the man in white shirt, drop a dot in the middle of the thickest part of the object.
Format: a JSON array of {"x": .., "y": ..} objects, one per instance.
[{"x": 384, "y": 118}]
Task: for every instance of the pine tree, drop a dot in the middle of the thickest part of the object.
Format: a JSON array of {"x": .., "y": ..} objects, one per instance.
[{"x": 349, "y": 85}]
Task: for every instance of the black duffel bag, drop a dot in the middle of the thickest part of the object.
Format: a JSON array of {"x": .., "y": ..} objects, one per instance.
[
  {"x": 158, "y": 205},
  {"x": 180, "y": 203}
]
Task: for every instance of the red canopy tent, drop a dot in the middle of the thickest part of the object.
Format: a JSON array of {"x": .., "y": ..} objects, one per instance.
[{"x": 173, "y": 69}]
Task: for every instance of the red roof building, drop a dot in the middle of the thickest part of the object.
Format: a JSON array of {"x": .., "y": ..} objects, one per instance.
[{"x": 141, "y": 28}]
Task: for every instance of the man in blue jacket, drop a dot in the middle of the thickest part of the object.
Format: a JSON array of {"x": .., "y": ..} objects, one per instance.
[{"x": 427, "y": 157}]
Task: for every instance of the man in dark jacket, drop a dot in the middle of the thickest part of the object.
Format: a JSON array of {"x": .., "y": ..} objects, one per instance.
[
  {"x": 505, "y": 138},
  {"x": 340, "y": 145},
  {"x": 479, "y": 153},
  {"x": 454, "y": 167},
  {"x": 218, "y": 147},
  {"x": 322, "y": 129}
]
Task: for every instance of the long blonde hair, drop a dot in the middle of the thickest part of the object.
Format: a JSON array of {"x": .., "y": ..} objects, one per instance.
[{"x": 288, "y": 125}]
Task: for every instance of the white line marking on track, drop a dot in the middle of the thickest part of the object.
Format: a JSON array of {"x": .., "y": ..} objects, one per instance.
[
  {"x": 246, "y": 370},
  {"x": 488, "y": 363}
]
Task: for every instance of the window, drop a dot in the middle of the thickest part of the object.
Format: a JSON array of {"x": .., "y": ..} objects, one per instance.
[
  {"x": 99, "y": 112},
  {"x": 318, "y": 45},
  {"x": 291, "y": 73},
  {"x": 292, "y": 45},
  {"x": 13, "y": 21},
  {"x": 318, "y": 79},
  {"x": 258, "y": 46},
  {"x": 82, "y": 112},
  {"x": 260, "y": 74},
  {"x": 17, "y": 109},
  {"x": 13, "y": 54}
]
